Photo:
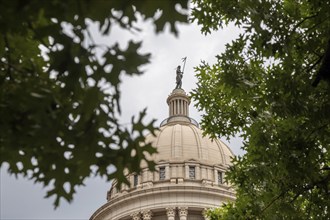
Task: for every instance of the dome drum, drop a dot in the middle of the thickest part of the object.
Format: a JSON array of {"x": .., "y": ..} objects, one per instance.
[{"x": 188, "y": 173}]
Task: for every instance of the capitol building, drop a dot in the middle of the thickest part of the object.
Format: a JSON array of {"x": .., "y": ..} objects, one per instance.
[{"x": 189, "y": 177}]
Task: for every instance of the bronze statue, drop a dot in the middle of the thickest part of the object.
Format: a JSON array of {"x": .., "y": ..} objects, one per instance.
[{"x": 179, "y": 74}]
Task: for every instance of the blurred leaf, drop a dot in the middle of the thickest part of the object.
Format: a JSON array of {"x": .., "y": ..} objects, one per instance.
[{"x": 56, "y": 119}]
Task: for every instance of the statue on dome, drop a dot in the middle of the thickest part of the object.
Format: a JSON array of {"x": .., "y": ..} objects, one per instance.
[{"x": 179, "y": 74}]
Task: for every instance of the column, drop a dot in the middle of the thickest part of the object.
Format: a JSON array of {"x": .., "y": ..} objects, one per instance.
[
  {"x": 167, "y": 172},
  {"x": 144, "y": 176},
  {"x": 186, "y": 167},
  {"x": 197, "y": 172},
  {"x": 146, "y": 215},
  {"x": 176, "y": 107},
  {"x": 183, "y": 212},
  {"x": 181, "y": 107},
  {"x": 170, "y": 212},
  {"x": 150, "y": 176},
  {"x": 214, "y": 179},
  {"x": 185, "y": 108},
  {"x": 135, "y": 216},
  {"x": 172, "y": 108}
]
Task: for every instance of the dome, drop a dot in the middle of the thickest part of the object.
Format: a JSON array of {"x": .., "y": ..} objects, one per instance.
[
  {"x": 184, "y": 141},
  {"x": 189, "y": 176}
]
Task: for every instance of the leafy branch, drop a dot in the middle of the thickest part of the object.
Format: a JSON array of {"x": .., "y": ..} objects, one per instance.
[{"x": 58, "y": 122}]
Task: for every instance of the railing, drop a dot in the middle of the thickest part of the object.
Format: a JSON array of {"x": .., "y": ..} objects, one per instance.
[{"x": 191, "y": 120}]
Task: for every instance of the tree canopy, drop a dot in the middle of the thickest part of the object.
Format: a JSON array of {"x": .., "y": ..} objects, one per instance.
[
  {"x": 271, "y": 86},
  {"x": 59, "y": 90}
]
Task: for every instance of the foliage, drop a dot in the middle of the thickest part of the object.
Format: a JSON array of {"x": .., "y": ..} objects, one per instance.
[
  {"x": 60, "y": 111},
  {"x": 215, "y": 213},
  {"x": 271, "y": 85}
]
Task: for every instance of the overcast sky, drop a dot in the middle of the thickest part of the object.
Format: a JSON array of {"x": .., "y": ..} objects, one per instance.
[{"x": 22, "y": 199}]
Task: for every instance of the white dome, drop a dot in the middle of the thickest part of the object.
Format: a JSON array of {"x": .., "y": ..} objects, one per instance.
[
  {"x": 183, "y": 141},
  {"x": 189, "y": 176}
]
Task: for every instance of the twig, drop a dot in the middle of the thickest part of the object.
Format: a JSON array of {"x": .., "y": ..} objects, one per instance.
[
  {"x": 35, "y": 32},
  {"x": 303, "y": 20},
  {"x": 8, "y": 57},
  {"x": 316, "y": 129},
  {"x": 317, "y": 62},
  {"x": 271, "y": 203},
  {"x": 324, "y": 20},
  {"x": 12, "y": 66}
]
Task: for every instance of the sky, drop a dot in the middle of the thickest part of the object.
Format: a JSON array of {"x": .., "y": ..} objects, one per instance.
[{"x": 22, "y": 199}]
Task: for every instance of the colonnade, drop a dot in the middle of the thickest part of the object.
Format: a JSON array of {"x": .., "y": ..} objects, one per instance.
[
  {"x": 178, "y": 103},
  {"x": 179, "y": 107}
]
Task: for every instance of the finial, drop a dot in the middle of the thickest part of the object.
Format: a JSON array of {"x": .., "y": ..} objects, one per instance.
[{"x": 179, "y": 74}]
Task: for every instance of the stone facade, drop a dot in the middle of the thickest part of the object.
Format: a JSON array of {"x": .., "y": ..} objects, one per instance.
[{"x": 189, "y": 177}]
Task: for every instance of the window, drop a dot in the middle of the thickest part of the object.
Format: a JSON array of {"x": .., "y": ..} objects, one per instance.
[
  {"x": 136, "y": 180},
  {"x": 161, "y": 173},
  {"x": 191, "y": 172},
  {"x": 220, "y": 179}
]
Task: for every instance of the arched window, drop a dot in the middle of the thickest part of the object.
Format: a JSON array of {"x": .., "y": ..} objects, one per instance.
[
  {"x": 220, "y": 178},
  {"x": 192, "y": 175},
  {"x": 161, "y": 173},
  {"x": 136, "y": 179}
]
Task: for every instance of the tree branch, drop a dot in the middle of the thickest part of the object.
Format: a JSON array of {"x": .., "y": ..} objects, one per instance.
[
  {"x": 315, "y": 130},
  {"x": 324, "y": 71},
  {"x": 11, "y": 66},
  {"x": 317, "y": 62},
  {"x": 325, "y": 168},
  {"x": 314, "y": 26},
  {"x": 34, "y": 31},
  {"x": 317, "y": 184},
  {"x": 303, "y": 20},
  {"x": 272, "y": 202}
]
